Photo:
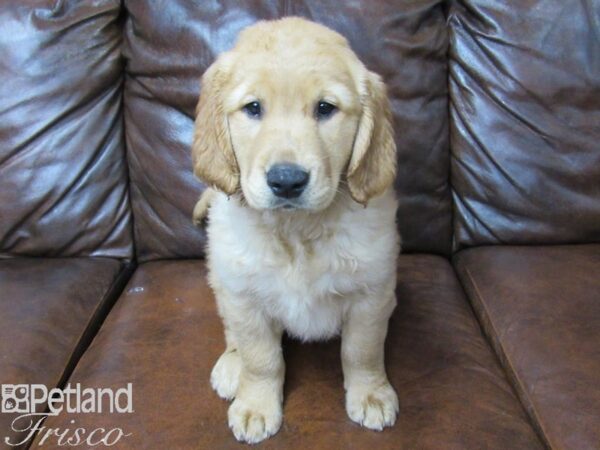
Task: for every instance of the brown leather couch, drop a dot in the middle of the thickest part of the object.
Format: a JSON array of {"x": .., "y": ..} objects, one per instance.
[{"x": 495, "y": 342}]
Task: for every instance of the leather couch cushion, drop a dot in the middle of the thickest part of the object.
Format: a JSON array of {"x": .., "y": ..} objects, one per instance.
[
  {"x": 63, "y": 183},
  {"x": 49, "y": 310},
  {"x": 164, "y": 335},
  {"x": 168, "y": 45},
  {"x": 540, "y": 307},
  {"x": 525, "y": 109}
]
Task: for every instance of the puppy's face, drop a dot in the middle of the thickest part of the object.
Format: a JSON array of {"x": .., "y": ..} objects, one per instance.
[
  {"x": 292, "y": 120},
  {"x": 290, "y": 112}
]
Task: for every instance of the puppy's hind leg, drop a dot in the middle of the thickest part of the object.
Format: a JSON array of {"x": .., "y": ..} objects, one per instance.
[
  {"x": 202, "y": 205},
  {"x": 225, "y": 375}
]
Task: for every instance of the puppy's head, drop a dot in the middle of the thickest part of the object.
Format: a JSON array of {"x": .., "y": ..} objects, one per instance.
[{"x": 288, "y": 115}]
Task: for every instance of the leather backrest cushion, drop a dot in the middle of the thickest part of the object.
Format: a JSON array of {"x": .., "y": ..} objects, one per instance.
[
  {"x": 525, "y": 121},
  {"x": 63, "y": 180},
  {"x": 168, "y": 45}
]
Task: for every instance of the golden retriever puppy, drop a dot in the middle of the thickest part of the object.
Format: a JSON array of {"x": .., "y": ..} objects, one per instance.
[{"x": 294, "y": 136}]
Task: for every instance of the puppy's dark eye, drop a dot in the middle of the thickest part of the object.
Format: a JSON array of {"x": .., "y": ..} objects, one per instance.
[
  {"x": 324, "y": 110},
  {"x": 253, "y": 109}
]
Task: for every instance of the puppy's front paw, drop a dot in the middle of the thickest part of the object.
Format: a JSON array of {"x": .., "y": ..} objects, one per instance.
[
  {"x": 254, "y": 422},
  {"x": 374, "y": 407},
  {"x": 225, "y": 376}
]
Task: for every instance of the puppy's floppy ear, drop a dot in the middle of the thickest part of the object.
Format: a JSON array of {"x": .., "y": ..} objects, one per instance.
[
  {"x": 372, "y": 167},
  {"x": 212, "y": 151}
]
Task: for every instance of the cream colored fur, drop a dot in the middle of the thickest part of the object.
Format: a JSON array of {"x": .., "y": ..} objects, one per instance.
[{"x": 327, "y": 265}]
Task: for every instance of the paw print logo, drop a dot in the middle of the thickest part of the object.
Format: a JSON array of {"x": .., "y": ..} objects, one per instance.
[{"x": 15, "y": 398}]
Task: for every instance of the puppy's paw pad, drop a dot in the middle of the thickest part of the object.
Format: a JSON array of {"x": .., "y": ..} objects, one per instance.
[
  {"x": 225, "y": 375},
  {"x": 373, "y": 408},
  {"x": 253, "y": 424}
]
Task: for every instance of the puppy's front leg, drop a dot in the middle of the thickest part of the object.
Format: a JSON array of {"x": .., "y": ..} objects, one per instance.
[
  {"x": 370, "y": 399},
  {"x": 256, "y": 412}
]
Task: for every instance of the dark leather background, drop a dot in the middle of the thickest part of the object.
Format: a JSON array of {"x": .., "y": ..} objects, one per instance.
[
  {"x": 525, "y": 121},
  {"x": 524, "y": 110},
  {"x": 168, "y": 45},
  {"x": 63, "y": 184}
]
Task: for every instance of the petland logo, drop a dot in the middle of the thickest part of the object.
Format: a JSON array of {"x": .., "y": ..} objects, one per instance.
[{"x": 27, "y": 399}]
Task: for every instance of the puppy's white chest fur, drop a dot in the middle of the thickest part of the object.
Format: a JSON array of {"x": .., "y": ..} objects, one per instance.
[{"x": 302, "y": 270}]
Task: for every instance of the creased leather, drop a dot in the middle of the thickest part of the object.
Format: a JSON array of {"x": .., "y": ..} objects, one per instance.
[
  {"x": 63, "y": 181},
  {"x": 525, "y": 115}
]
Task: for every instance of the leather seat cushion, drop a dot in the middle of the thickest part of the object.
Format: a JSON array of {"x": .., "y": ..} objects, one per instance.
[
  {"x": 49, "y": 311},
  {"x": 540, "y": 306},
  {"x": 164, "y": 335}
]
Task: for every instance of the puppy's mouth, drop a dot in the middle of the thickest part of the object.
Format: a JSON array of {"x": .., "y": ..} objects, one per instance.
[{"x": 288, "y": 205}]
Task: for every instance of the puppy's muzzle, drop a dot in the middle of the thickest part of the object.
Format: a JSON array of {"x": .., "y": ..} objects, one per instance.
[{"x": 287, "y": 180}]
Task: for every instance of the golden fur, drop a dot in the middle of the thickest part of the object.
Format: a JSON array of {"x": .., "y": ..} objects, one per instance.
[{"x": 327, "y": 263}]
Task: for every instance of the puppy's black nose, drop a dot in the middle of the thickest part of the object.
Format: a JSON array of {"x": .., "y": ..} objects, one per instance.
[{"x": 287, "y": 180}]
